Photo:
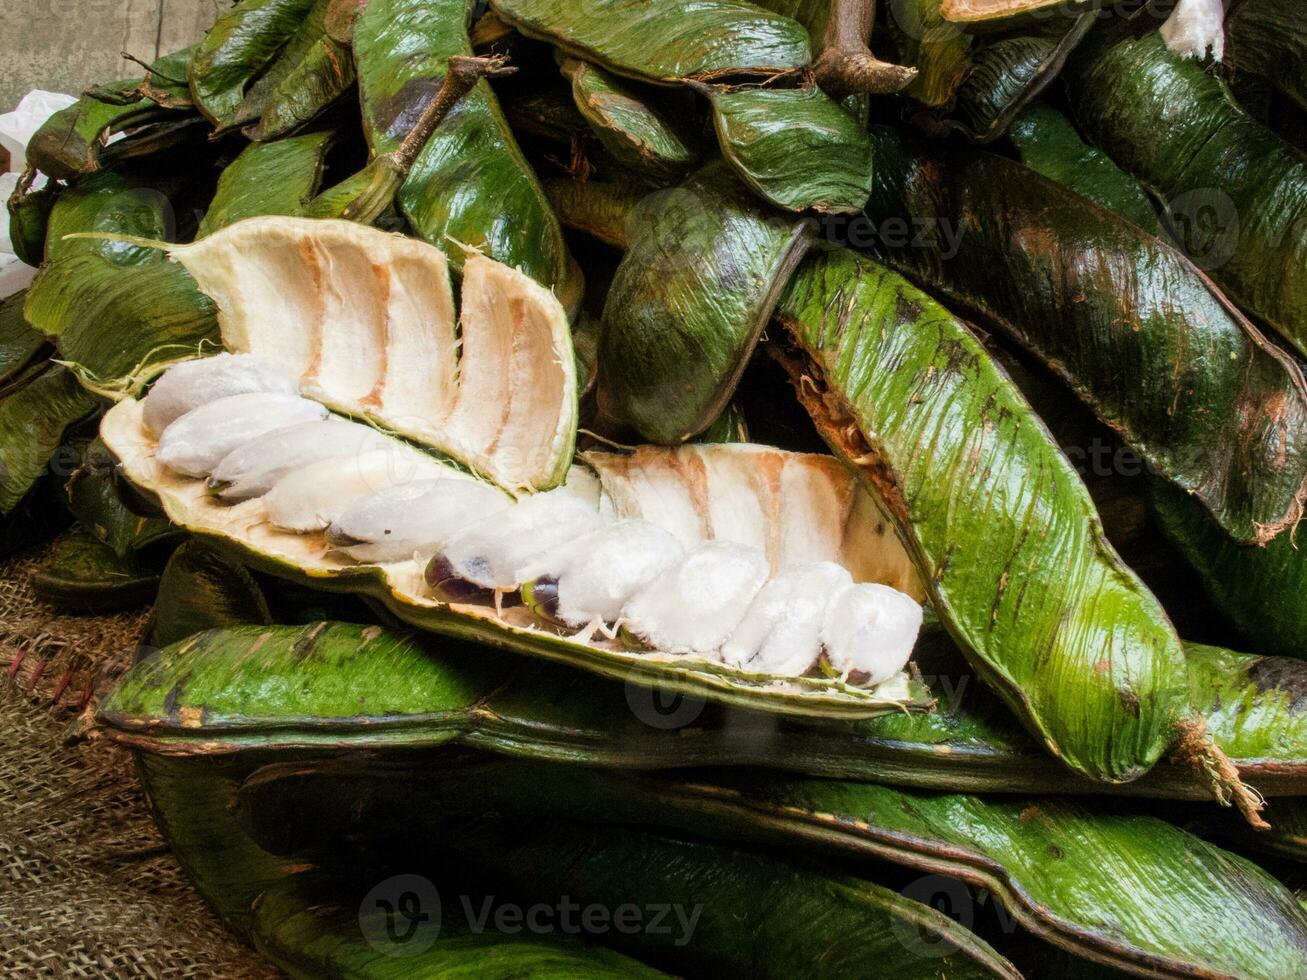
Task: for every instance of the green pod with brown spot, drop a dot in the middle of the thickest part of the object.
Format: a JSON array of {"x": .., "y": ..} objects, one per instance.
[
  {"x": 1128, "y": 891},
  {"x": 688, "y": 302},
  {"x": 796, "y": 148},
  {"x": 350, "y": 688},
  {"x": 471, "y": 172},
  {"x": 102, "y": 507},
  {"x": 236, "y": 49},
  {"x": 1128, "y": 322},
  {"x": 1234, "y": 193},
  {"x": 280, "y": 177},
  {"x": 29, "y": 220},
  {"x": 665, "y": 43},
  {"x": 311, "y": 86},
  {"x": 631, "y": 124},
  {"x": 1000, "y": 527}
]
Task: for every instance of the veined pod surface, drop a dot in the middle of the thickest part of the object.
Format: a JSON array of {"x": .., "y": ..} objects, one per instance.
[
  {"x": 666, "y": 43},
  {"x": 19, "y": 343},
  {"x": 311, "y": 85},
  {"x": 279, "y": 177},
  {"x": 402, "y": 587},
  {"x": 81, "y": 573},
  {"x": 1000, "y": 527},
  {"x": 1266, "y": 39},
  {"x": 631, "y": 125},
  {"x": 704, "y": 268},
  {"x": 1132, "y": 892},
  {"x": 796, "y": 148},
  {"x": 310, "y": 925},
  {"x": 1263, "y": 591},
  {"x": 70, "y": 142},
  {"x": 471, "y": 182},
  {"x": 33, "y": 420},
  {"x": 110, "y": 201},
  {"x": 365, "y": 321},
  {"x": 100, "y": 505},
  {"x": 1047, "y": 143},
  {"x": 236, "y": 49},
  {"x": 1133, "y": 328},
  {"x": 1178, "y": 129},
  {"x": 203, "y": 589},
  {"x": 349, "y": 688}
]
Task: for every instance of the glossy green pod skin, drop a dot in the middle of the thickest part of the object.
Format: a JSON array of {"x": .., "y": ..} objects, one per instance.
[
  {"x": 1134, "y": 329},
  {"x": 796, "y": 148},
  {"x": 665, "y": 43},
  {"x": 1236, "y": 192},
  {"x": 631, "y": 125},
  {"x": 34, "y": 418},
  {"x": 1047, "y": 143},
  {"x": 29, "y": 218},
  {"x": 1266, "y": 39},
  {"x": 1131, "y": 891},
  {"x": 202, "y": 589},
  {"x": 99, "y": 502},
  {"x": 280, "y": 177},
  {"x": 346, "y": 687},
  {"x": 313, "y": 926},
  {"x": 471, "y": 175},
  {"x": 1262, "y": 591},
  {"x": 118, "y": 311},
  {"x": 71, "y": 141},
  {"x": 20, "y": 345},
  {"x": 1000, "y": 527},
  {"x": 688, "y": 302},
  {"x": 82, "y": 573},
  {"x": 236, "y": 49},
  {"x": 311, "y": 86}
]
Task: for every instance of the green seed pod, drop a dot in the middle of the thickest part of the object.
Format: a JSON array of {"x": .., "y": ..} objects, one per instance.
[
  {"x": 20, "y": 345},
  {"x": 1265, "y": 39},
  {"x": 1177, "y": 128},
  {"x": 1136, "y": 331},
  {"x": 902, "y": 392},
  {"x": 34, "y": 419},
  {"x": 236, "y": 49},
  {"x": 82, "y": 573},
  {"x": 72, "y": 141},
  {"x": 100, "y": 504},
  {"x": 280, "y": 177},
  {"x": 201, "y": 589},
  {"x": 688, "y": 303}
]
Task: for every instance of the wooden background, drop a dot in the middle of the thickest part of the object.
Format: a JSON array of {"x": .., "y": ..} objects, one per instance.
[{"x": 66, "y": 45}]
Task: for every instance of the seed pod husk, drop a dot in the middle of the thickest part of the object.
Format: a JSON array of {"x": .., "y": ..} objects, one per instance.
[
  {"x": 688, "y": 303},
  {"x": 647, "y": 41},
  {"x": 29, "y": 218},
  {"x": 20, "y": 345},
  {"x": 236, "y": 49},
  {"x": 983, "y": 15},
  {"x": 601, "y": 209},
  {"x": 323, "y": 74},
  {"x": 102, "y": 508},
  {"x": 1047, "y": 143},
  {"x": 796, "y": 148},
  {"x": 310, "y": 924},
  {"x": 903, "y": 393},
  {"x": 82, "y": 573},
  {"x": 354, "y": 688},
  {"x": 1178, "y": 129},
  {"x": 1130, "y": 891},
  {"x": 72, "y": 140},
  {"x": 165, "y": 83},
  {"x": 1266, "y": 39},
  {"x": 279, "y": 177},
  {"x": 1136, "y": 331},
  {"x": 34, "y": 418},
  {"x": 630, "y": 123},
  {"x": 202, "y": 589},
  {"x": 471, "y": 172}
]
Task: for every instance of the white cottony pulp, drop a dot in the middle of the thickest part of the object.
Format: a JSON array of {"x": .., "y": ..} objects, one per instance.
[
  {"x": 695, "y": 605},
  {"x": 1195, "y": 28},
  {"x": 598, "y": 573},
  {"x": 187, "y": 386},
  {"x": 781, "y": 631},
  {"x": 253, "y": 469},
  {"x": 416, "y": 519},
  {"x": 198, "y": 441},
  {"x": 870, "y": 629}
]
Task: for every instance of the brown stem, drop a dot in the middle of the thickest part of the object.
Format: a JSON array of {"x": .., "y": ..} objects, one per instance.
[
  {"x": 461, "y": 75},
  {"x": 150, "y": 71},
  {"x": 1194, "y": 748},
  {"x": 846, "y": 65}
]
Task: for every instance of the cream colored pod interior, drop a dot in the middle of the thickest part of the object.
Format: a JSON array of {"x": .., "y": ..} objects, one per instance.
[{"x": 365, "y": 321}]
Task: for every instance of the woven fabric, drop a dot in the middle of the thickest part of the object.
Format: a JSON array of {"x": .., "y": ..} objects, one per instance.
[{"x": 88, "y": 887}]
